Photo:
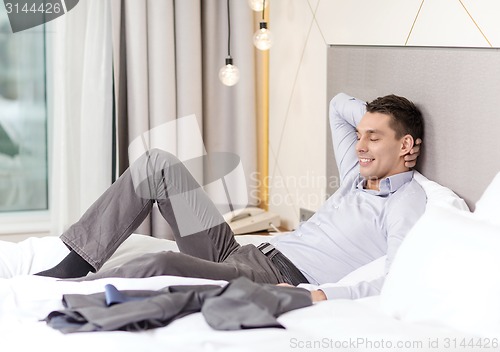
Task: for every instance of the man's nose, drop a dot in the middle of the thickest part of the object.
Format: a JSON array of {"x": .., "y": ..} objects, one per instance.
[{"x": 361, "y": 146}]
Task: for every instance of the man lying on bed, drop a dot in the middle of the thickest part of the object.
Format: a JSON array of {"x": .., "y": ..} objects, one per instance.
[{"x": 367, "y": 217}]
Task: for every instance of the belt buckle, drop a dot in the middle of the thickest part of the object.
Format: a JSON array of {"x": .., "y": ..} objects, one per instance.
[{"x": 266, "y": 248}]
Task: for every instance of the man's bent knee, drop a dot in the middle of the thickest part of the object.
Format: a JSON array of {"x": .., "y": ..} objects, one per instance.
[{"x": 162, "y": 156}]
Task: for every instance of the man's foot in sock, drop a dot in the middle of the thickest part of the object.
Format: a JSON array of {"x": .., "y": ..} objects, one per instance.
[{"x": 72, "y": 266}]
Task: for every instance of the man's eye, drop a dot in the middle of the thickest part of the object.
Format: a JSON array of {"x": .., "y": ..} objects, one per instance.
[{"x": 374, "y": 139}]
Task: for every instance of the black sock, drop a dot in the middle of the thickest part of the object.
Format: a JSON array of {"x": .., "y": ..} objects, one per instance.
[{"x": 72, "y": 266}]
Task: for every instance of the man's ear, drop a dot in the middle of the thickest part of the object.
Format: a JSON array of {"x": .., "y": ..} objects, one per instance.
[{"x": 407, "y": 143}]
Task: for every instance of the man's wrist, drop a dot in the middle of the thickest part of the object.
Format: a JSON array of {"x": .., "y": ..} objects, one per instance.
[{"x": 318, "y": 295}]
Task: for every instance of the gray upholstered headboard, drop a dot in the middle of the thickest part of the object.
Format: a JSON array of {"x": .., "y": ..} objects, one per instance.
[{"x": 458, "y": 90}]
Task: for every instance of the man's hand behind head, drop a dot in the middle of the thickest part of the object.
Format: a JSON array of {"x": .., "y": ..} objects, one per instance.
[{"x": 411, "y": 158}]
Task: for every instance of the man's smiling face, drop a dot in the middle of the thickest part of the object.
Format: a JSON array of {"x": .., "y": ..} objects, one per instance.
[{"x": 380, "y": 153}]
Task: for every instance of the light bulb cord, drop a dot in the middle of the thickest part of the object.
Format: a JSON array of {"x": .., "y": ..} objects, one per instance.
[
  {"x": 263, "y": 8},
  {"x": 229, "y": 31}
]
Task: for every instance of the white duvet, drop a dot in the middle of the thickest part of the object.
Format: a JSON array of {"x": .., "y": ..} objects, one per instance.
[{"x": 340, "y": 325}]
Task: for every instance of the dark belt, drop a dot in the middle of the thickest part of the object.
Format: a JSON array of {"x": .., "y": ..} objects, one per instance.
[{"x": 290, "y": 273}]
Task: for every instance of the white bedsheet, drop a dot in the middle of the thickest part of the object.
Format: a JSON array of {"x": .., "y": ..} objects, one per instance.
[{"x": 340, "y": 325}]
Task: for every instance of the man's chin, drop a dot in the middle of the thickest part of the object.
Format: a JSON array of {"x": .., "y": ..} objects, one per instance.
[{"x": 365, "y": 173}]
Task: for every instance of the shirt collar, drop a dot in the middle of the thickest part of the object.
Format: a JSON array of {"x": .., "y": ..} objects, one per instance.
[{"x": 387, "y": 185}]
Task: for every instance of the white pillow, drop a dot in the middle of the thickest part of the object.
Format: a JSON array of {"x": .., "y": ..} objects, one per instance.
[
  {"x": 439, "y": 195},
  {"x": 488, "y": 205},
  {"x": 447, "y": 272}
]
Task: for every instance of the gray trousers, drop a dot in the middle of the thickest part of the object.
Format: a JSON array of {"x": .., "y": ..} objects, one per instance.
[{"x": 206, "y": 243}]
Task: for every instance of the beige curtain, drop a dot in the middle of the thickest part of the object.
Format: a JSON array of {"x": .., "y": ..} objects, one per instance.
[
  {"x": 79, "y": 80},
  {"x": 167, "y": 54}
]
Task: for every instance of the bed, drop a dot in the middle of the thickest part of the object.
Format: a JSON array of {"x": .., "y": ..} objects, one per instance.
[
  {"x": 443, "y": 291},
  {"x": 365, "y": 324}
]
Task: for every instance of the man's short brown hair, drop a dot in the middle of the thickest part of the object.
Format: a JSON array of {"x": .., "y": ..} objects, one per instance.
[{"x": 406, "y": 118}]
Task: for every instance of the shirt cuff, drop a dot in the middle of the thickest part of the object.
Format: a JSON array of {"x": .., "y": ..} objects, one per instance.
[
  {"x": 336, "y": 292},
  {"x": 332, "y": 291}
]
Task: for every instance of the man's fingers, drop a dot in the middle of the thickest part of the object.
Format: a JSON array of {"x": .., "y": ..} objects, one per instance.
[
  {"x": 285, "y": 285},
  {"x": 411, "y": 157},
  {"x": 414, "y": 153}
]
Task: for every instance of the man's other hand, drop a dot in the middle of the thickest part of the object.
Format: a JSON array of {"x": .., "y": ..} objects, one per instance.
[
  {"x": 318, "y": 295},
  {"x": 411, "y": 158}
]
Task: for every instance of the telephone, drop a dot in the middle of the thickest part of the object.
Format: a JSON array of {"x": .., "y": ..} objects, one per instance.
[{"x": 251, "y": 219}]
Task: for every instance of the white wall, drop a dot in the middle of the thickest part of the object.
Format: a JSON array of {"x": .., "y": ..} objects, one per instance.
[{"x": 298, "y": 103}]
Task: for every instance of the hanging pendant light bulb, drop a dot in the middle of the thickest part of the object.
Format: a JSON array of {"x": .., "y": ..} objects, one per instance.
[
  {"x": 263, "y": 38},
  {"x": 257, "y": 5},
  {"x": 229, "y": 74}
]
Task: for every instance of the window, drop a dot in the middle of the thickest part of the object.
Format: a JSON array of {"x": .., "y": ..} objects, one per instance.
[{"x": 23, "y": 119}]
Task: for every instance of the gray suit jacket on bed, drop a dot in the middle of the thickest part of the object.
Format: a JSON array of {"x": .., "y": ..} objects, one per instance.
[{"x": 241, "y": 304}]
